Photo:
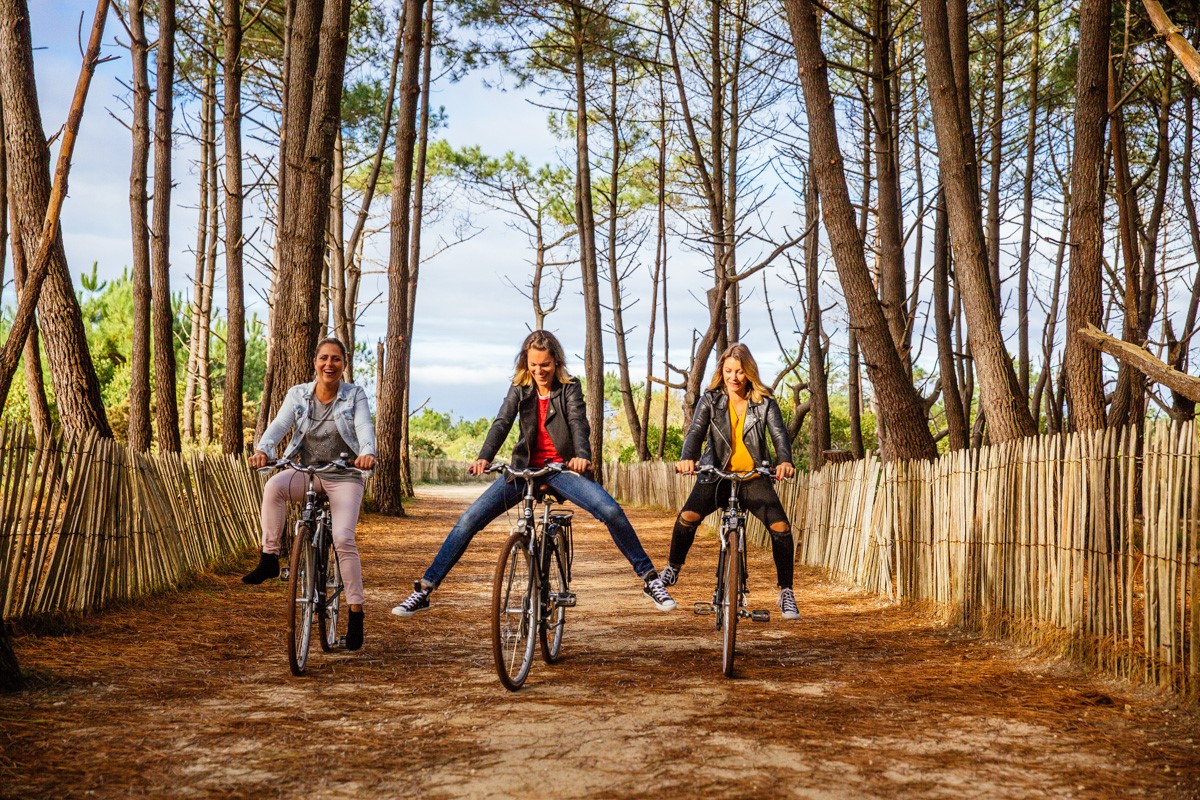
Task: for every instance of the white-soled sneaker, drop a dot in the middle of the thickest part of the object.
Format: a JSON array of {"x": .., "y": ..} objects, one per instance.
[
  {"x": 787, "y": 604},
  {"x": 669, "y": 575},
  {"x": 417, "y": 601},
  {"x": 657, "y": 593}
]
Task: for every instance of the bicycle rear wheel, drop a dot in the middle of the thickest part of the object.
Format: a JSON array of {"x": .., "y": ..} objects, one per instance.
[
  {"x": 553, "y": 622},
  {"x": 514, "y": 612},
  {"x": 729, "y": 601},
  {"x": 302, "y": 597},
  {"x": 331, "y": 620}
]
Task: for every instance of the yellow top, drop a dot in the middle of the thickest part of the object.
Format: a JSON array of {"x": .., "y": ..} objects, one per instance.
[{"x": 740, "y": 460}]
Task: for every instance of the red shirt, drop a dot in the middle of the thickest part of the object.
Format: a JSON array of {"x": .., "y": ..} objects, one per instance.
[{"x": 541, "y": 449}]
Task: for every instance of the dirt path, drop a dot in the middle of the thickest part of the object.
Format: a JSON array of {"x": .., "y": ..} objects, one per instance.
[{"x": 188, "y": 695}]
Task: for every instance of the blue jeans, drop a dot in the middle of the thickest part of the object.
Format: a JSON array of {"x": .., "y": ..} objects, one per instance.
[{"x": 502, "y": 495}]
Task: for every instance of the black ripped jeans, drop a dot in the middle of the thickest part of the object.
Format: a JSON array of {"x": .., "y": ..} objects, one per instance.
[{"x": 760, "y": 499}]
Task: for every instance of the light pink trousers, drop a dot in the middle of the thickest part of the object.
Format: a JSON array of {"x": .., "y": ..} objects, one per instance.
[{"x": 345, "y": 500}]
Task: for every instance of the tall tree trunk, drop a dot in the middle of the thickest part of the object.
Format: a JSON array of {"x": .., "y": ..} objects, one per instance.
[
  {"x": 593, "y": 355},
  {"x": 233, "y": 437},
  {"x": 414, "y": 258},
  {"x": 1027, "y": 207},
  {"x": 35, "y": 384},
  {"x": 901, "y": 411},
  {"x": 1007, "y": 411},
  {"x": 892, "y": 281},
  {"x": 996, "y": 141},
  {"x": 204, "y": 376},
  {"x": 1044, "y": 384},
  {"x": 36, "y": 206},
  {"x": 139, "y": 359},
  {"x": 1085, "y": 389},
  {"x": 1182, "y": 407},
  {"x": 389, "y": 483},
  {"x": 818, "y": 389},
  {"x": 166, "y": 410},
  {"x": 192, "y": 372},
  {"x": 952, "y": 399}
]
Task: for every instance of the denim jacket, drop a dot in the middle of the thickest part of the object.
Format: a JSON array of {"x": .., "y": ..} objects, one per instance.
[{"x": 351, "y": 414}]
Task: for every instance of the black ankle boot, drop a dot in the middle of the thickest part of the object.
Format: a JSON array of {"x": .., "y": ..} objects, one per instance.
[
  {"x": 268, "y": 567},
  {"x": 354, "y": 631}
]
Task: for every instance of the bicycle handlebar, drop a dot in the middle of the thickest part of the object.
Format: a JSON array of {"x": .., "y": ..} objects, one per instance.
[
  {"x": 708, "y": 469},
  {"x": 527, "y": 474},
  {"x": 287, "y": 463}
]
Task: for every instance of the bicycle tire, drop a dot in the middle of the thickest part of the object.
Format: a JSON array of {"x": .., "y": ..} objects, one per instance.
[
  {"x": 514, "y": 612},
  {"x": 729, "y": 601},
  {"x": 331, "y": 618},
  {"x": 557, "y": 581},
  {"x": 301, "y": 599}
]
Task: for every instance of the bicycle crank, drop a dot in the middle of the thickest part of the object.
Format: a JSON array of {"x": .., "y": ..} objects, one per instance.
[
  {"x": 756, "y": 616},
  {"x": 562, "y": 599}
]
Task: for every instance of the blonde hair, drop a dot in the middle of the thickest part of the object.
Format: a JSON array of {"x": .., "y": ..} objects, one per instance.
[
  {"x": 540, "y": 340},
  {"x": 758, "y": 390}
]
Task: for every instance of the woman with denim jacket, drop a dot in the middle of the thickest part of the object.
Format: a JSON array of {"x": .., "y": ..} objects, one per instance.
[
  {"x": 327, "y": 418},
  {"x": 553, "y": 424},
  {"x": 737, "y": 415}
]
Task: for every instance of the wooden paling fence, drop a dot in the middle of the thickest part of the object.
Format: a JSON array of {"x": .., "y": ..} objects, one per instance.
[
  {"x": 1073, "y": 542},
  {"x": 85, "y": 521}
]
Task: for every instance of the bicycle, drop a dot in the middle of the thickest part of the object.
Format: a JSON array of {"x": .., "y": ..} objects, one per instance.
[
  {"x": 531, "y": 589},
  {"x": 729, "y": 598},
  {"x": 313, "y": 575}
]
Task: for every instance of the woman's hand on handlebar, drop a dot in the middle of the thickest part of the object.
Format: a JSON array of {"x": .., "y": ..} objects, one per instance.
[
  {"x": 686, "y": 467},
  {"x": 784, "y": 471},
  {"x": 477, "y": 466},
  {"x": 365, "y": 462},
  {"x": 258, "y": 460},
  {"x": 579, "y": 465}
]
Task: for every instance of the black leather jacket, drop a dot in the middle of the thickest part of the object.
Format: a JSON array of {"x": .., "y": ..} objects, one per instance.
[
  {"x": 711, "y": 421},
  {"x": 566, "y": 422}
]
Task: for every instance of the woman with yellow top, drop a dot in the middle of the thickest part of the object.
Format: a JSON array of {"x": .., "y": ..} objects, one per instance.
[{"x": 737, "y": 415}]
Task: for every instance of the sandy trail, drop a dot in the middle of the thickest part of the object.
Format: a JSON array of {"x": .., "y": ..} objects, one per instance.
[{"x": 189, "y": 695}]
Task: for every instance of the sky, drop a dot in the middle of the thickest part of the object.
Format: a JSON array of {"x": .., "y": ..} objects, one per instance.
[{"x": 470, "y": 320}]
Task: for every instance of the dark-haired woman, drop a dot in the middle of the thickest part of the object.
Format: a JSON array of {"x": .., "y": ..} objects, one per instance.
[
  {"x": 554, "y": 428},
  {"x": 737, "y": 416},
  {"x": 328, "y": 417}
]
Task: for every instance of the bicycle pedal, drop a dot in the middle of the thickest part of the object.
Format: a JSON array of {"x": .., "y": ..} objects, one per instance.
[
  {"x": 563, "y": 599},
  {"x": 284, "y": 574},
  {"x": 702, "y": 609},
  {"x": 760, "y": 616},
  {"x": 341, "y": 642}
]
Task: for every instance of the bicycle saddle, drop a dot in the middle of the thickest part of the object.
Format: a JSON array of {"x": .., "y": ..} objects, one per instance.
[{"x": 543, "y": 492}]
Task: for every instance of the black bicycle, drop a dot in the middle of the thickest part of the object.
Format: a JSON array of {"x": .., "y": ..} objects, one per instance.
[
  {"x": 729, "y": 598},
  {"x": 313, "y": 576},
  {"x": 531, "y": 590}
]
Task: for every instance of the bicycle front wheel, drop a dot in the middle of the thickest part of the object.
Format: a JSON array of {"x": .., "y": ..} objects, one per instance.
[
  {"x": 729, "y": 601},
  {"x": 553, "y": 621},
  {"x": 331, "y": 619},
  {"x": 302, "y": 598},
  {"x": 514, "y": 612}
]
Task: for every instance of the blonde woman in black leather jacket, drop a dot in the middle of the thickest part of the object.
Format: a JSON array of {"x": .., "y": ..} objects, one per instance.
[{"x": 735, "y": 419}]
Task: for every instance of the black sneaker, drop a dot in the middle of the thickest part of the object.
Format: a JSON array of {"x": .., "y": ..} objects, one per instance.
[
  {"x": 417, "y": 601},
  {"x": 657, "y": 593},
  {"x": 354, "y": 630},
  {"x": 268, "y": 567},
  {"x": 670, "y": 575},
  {"x": 787, "y": 604}
]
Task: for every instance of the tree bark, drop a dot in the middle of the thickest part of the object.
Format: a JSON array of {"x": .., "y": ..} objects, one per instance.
[
  {"x": 35, "y": 384},
  {"x": 1007, "y": 411},
  {"x": 952, "y": 399},
  {"x": 37, "y": 204},
  {"x": 166, "y": 410},
  {"x": 901, "y": 410},
  {"x": 316, "y": 68},
  {"x": 996, "y": 140},
  {"x": 389, "y": 483},
  {"x": 233, "y": 437},
  {"x": 893, "y": 287},
  {"x": 1027, "y": 208},
  {"x": 1085, "y": 390},
  {"x": 1175, "y": 40},
  {"x": 192, "y": 371},
  {"x": 140, "y": 433},
  {"x": 818, "y": 389},
  {"x": 1140, "y": 359}
]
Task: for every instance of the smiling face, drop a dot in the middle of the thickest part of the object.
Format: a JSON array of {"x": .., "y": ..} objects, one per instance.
[
  {"x": 734, "y": 377},
  {"x": 329, "y": 364},
  {"x": 541, "y": 367}
]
